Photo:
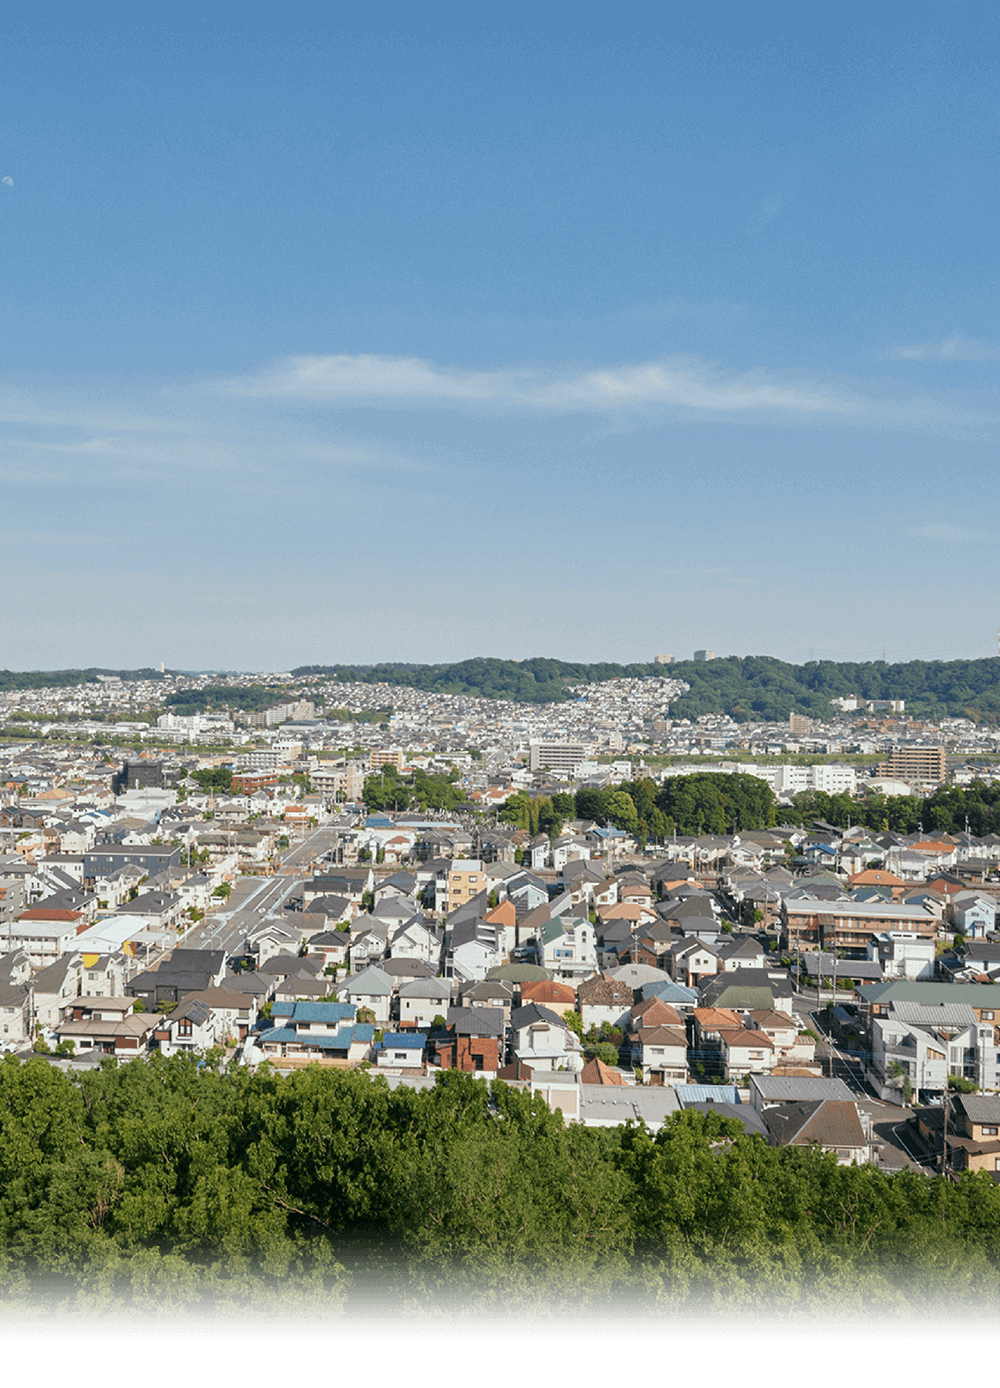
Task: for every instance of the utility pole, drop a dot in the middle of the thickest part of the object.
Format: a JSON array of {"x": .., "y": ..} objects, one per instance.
[
  {"x": 829, "y": 1019},
  {"x": 944, "y": 1115}
]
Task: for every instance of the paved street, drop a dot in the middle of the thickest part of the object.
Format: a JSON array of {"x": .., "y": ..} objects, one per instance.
[
  {"x": 254, "y": 898},
  {"x": 889, "y": 1122}
]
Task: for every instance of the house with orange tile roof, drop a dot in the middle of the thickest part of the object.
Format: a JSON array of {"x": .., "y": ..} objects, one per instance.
[
  {"x": 557, "y": 997},
  {"x": 504, "y": 918},
  {"x": 710, "y": 1023},
  {"x": 879, "y": 877},
  {"x": 596, "y": 1072}
]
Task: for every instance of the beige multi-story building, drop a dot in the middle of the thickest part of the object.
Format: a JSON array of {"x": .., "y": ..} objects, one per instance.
[
  {"x": 915, "y": 765},
  {"x": 333, "y": 781},
  {"x": 466, "y": 879},
  {"x": 385, "y": 756},
  {"x": 850, "y": 925}
]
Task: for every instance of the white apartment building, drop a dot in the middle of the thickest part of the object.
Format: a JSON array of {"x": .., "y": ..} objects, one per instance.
[
  {"x": 831, "y": 778},
  {"x": 929, "y": 1042},
  {"x": 557, "y": 756}
]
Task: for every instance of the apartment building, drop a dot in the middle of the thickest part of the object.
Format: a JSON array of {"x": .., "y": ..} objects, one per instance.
[
  {"x": 928, "y": 1042},
  {"x": 557, "y": 756},
  {"x": 915, "y": 765},
  {"x": 849, "y": 925}
]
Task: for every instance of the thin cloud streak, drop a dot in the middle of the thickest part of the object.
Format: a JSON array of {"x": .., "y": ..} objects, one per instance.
[
  {"x": 683, "y": 382},
  {"x": 953, "y": 349},
  {"x": 951, "y": 535},
  {"x": 69, "y": 441}
]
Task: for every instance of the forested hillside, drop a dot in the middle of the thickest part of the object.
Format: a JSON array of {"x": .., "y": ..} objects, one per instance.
[
  {"x": 537, "y": 681},
  {"x": 67, "y": 679},
  {"x": 159, "y": 1184},
  {"x": 749, "y": 688}
]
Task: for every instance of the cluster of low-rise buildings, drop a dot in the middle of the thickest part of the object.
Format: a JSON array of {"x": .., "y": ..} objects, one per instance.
[{"x": 419, "y": 942}]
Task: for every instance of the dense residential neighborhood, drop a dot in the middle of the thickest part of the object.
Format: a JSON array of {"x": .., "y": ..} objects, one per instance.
[
  {"x": 267, "y": 906},
  {"x": 721, "y": 954}
]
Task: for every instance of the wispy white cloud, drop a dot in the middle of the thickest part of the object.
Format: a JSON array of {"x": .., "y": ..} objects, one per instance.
[
  {"x": 682, "y": 382},
  {"x": 78, "y": 441},
  {"x": 951, "y": 535},
  {"x": 953, "y": 349}
]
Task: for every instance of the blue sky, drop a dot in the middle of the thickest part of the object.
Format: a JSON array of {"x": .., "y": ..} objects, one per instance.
[{"x": 418, "y": 332}]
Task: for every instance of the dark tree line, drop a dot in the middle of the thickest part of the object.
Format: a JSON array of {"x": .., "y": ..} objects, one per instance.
[
  {"x": 67, "y": 679},
  {"x": 950, "y": 810},
  {"x": 710, "y": 802},
  {"x": 535, "y": 681},
  {"x": 217, "y": 698},
  {"x": 717, "y": 802},
  {"x": 387, "y": 789}
]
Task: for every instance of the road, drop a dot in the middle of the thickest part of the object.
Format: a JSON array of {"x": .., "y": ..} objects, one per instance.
[
  {"x": 889, "y": 1121},
  {"x": 255, "y": 898}
]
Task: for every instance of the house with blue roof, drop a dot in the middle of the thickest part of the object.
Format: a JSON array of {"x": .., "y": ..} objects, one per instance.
[
  {"x": 324, "y": 1031},
  {"x": 401, "y": 1050}
]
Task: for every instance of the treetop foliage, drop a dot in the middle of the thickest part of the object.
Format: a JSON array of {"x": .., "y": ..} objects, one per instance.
[
  {"x": 161, "y": 1182},
  {"x": 710, "y": 802},
  {"x": 388, "y": 790},
  {"x": 947, "y": 811},
  {"x": 217, "y": 779}
]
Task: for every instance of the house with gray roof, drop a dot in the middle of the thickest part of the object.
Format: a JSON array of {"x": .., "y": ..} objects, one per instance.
[
  {"x": 192, "y": 1026},
  {"x": 371, "y": 988},
  {"x": 927, "y": 1042},
  {"x": 767, "y": 1090},
  {"x": 108, "y": 1031},
  {"x": 473, "y": 949},
  {"x": 16, "y": 1015},
  {"x": 567, "y": 946},
  {"x": 542, "y": 1040},
  {"x": 747, "y": 989},
  {"x": 423, "y": 999},
  {"x": 55, "y": 988},
  {"x": 331, "y": 946}
]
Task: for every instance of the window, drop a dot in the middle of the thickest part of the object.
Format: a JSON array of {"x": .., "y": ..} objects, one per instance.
[
  {"x": 988, "y": 1016},
  {"x": 990, "y": 1130}
]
